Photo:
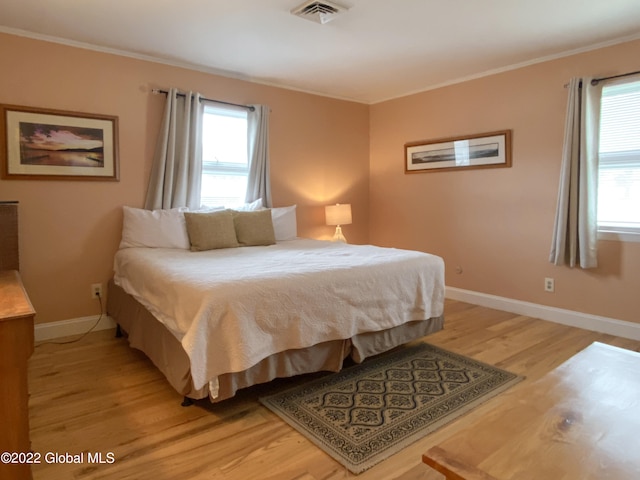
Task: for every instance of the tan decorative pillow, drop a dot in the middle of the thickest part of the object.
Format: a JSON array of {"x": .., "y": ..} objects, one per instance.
[
  {"x": 254, "y": 228},
  {"x": 211, "y": 230}
]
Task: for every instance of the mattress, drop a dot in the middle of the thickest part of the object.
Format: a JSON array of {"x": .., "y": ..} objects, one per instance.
[
  {"x": 230, "y": 309},
  {"x": 145, "y": 333}
]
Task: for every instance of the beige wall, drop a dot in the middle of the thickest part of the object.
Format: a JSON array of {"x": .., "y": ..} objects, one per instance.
[
  {"x": 496, "y": 224},
  {"x": 70, "y": 230}
]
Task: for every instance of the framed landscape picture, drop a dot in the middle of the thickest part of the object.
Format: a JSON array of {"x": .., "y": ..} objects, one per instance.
[
  {"x": 485, "y": 150},
  {"x": 50, "y": 144}
]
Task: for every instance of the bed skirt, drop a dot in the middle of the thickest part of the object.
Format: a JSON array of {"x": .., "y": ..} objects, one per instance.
[{"x": 146, "y": 333}]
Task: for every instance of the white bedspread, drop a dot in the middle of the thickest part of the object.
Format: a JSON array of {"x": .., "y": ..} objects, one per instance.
[{"x": 231, "y": 308}]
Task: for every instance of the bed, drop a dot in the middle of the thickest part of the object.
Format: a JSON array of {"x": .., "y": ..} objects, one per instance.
[{"x": 218, "y": 320}]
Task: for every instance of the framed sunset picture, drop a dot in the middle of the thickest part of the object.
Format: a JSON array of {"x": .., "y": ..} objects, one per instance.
[{"x": 53, "y": 144}]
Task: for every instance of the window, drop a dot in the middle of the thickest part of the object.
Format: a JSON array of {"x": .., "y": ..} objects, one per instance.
[
  {"x": 619, "y": 170},
  {"x": 225, "y": 165}
]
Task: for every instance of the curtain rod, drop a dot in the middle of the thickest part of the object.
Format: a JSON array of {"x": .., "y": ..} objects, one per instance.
[
  {"x": 157, "y": 91},
  {"x": 595, "y": 81}
]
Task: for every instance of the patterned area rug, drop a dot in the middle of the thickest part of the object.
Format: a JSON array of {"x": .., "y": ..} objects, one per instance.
[{"x": 367, "y": 412}]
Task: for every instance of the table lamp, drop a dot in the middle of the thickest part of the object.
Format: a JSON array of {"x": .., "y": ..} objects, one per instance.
[{"x": 338, "y": 214}]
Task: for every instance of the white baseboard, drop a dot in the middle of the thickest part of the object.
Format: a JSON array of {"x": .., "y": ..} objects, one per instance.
[
  {"x": 74, "y": 326},
  {"x": 612, "y": 326},
  {"x": 587, "y": 321}
]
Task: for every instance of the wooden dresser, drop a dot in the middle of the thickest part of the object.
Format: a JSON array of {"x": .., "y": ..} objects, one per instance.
[
  {"x": 9, "y": 257},
  {"x": 16, "y": 346}
]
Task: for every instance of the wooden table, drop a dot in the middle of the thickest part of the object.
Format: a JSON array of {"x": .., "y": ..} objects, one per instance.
[{"x": 580, "y": 421}]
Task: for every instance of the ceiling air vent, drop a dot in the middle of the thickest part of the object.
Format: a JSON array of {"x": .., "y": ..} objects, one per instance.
[{"x": 319, "y": 11}]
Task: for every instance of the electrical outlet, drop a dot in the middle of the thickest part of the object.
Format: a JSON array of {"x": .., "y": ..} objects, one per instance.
[
  {"x": 96, "y": 290},
  {"x": 549, "y": 285}
]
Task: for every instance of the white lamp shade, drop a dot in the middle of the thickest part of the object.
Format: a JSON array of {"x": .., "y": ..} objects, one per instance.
[{"x": 339, "y": 214}]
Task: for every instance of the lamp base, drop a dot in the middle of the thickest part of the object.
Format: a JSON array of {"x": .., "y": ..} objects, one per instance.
[{"x": 338, "y": 236}]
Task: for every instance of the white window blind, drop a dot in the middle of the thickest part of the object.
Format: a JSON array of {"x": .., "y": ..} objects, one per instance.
[
  {"x": 619, "y": 170},
  {"x": 225, "y": 165}
]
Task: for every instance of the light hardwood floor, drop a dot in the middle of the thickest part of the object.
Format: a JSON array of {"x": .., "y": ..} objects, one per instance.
[{"x": 101, "y": 396}]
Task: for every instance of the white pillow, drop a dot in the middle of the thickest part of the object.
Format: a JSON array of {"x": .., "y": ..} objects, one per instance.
[
  {"x": 156, "y": 229},
  {"x": 250, "y": 207},
  {"x": 205, "y": 209},
  {"x": 285, "y": 225}
]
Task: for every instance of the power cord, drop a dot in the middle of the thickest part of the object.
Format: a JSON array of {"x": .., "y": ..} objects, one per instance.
[{"x": 84, "y": 334}]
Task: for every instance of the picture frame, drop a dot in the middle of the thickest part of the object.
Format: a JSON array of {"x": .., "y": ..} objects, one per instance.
[
  {"x": 484, "y": 150},
  {"x": 47, "y": 144}
]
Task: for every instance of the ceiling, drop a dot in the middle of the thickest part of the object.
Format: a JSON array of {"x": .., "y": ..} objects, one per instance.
[{"x": 375, "y": 51}]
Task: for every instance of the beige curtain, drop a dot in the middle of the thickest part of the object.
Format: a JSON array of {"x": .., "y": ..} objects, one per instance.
[
  {"x": 575, "y": 233},
  {"x": 258, "y": 183},
  {"x": 176, "y": 173}
]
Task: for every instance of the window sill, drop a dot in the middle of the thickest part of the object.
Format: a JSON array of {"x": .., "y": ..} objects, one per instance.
[{"x": 619, "y": 236}]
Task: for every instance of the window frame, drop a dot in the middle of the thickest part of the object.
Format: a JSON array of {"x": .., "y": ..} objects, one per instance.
[
  {"x": 611, "y": 230},
  {"x": 224, "y": 168}
]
